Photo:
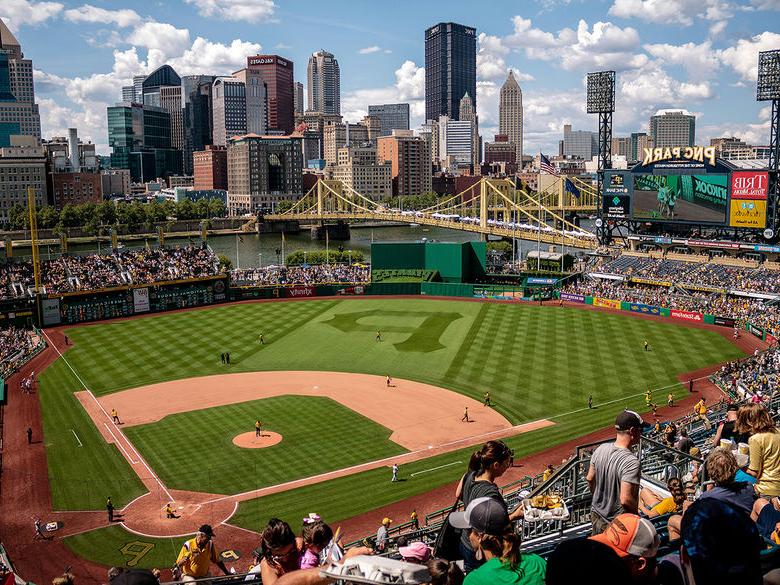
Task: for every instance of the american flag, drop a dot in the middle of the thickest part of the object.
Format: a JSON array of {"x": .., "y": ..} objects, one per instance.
[{"x": 545, "y": 165}]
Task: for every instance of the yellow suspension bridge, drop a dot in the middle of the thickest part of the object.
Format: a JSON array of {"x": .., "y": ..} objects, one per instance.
[{"x": 491, "y": 207}]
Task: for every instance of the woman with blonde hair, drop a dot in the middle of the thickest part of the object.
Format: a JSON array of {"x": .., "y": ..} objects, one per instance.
[{"x": 764, "y": 442}]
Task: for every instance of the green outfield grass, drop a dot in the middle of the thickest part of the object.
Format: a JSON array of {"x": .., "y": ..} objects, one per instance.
[
  {"x": 537, "y": 362},
  {"x": 194, "y": 450}
]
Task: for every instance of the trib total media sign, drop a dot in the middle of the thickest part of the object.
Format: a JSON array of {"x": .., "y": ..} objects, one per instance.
[{"x": 748, "y": 199}]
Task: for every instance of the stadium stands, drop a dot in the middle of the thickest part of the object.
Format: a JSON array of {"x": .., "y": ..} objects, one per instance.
[
  {"x": 301, "y": 275},
  {"x": 17, "y": 347}
]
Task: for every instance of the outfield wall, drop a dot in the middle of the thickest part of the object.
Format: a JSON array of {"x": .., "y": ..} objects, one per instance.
[{"x": 657, "y": 311}]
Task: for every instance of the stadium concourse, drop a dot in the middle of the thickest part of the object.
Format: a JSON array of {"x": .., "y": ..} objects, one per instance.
[{"x": 751, "y": 381}]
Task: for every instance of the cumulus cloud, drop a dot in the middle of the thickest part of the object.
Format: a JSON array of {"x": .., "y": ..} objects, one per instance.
[
  {"x": 682, "y": 12},
  {"x": 491, "y": 62},
  {"x": 743, "y": 57},
  {"x": 700, "y": 61},
  {"x": 88, "y": 13},
  {"x": 160, "y": 36},
  {"x": 242, "y": 10},
  {"x": 751, "y": 133},
  {"x": 16, "y": 13}
]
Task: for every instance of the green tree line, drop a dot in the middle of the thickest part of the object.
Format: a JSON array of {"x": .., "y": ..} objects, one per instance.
[
  {"x": 324, "y": 257},
  {"x": 91, "y": 216}
]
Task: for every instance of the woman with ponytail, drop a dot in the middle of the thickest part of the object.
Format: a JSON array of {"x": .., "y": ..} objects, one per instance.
[
  {"x": 485, "y": 467},
  {"x": 495, "y": 543},
  {"x": 444, "y": 572}
]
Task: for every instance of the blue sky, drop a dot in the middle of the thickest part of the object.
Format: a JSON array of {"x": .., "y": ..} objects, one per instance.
[{"x": 694, "y": 54}]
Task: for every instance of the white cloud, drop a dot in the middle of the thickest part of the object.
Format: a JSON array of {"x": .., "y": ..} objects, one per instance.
[
  {"x": 765, "y": 4},
  {"x": 700, "y": 61},
  {"x": 248, "y": 10},
  {"x": 755, "y": 133},
  {"x": 88, "y": 13},
  {"x": 160, "y": 36},
  {"x": 410, "y": 81},
  {"x": 652, "y": 88},
  {"x": 369, "y": 50},
  {"x": 717, "y": 28},
  {"x": 525, "y": 35},
  {"x": 743, "y": 57},
  {"x": 206, "y": 56},
  {"x": 16, "y": 13},
  {"x": 682, "y": 12}
]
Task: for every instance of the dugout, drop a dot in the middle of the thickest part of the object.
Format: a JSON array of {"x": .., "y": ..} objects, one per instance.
[{"x": 454, "y": 261}]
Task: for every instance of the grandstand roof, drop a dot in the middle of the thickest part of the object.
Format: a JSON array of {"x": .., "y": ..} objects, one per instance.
[{"x": 750, "y": 163}]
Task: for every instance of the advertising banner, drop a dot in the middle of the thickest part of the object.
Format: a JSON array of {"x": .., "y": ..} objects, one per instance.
[
  {"x": 51, "y": 311},
  {"x": 757, "y": 331},
  {"x": 724, "y": 321},
  {"x": 141, "y": 300},
  {"x": 650, "y": 281},
  {"x": 645, "y": 309},
  {"x": 771, "y": 339},
  {"x": 302, "y": 291},
  {"x": 572, "y": 298},
  {"x": 705, "y": 288},
  {"x": 352, "y": 290},
  {"x": 764, "y": 248},
  {"x": 607, "y": 303},
  {"x": 617, "y": 195},
  {"x": 686, "y": 315},
  {"x": 536, "y": 280},
  {"x": 749, "y": 185},
  {"x": 748, "y": 214},
  {"x": 712, "y": 244}
]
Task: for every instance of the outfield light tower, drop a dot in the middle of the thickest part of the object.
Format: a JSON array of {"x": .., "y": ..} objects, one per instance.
[
  {"x": 601, "y": 101},
  {"x": 768, "y": 90}
]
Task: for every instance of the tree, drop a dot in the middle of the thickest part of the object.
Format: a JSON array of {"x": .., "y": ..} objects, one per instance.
[
  {"x": 217, "y": 207},
  {"x": 284, "y": 205},
  {"x": 18, "y": 217},
  {"x": 202, "y": 208},
  {"x": 48, "y": 217},
  {"x": 185, "y": 209},
  {"x": 70, "y": 216},
  {"x": 225, "y": 264},
  {"x": 107, "y": 211}
]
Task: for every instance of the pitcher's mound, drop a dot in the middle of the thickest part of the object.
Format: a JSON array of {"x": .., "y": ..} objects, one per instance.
[{"x": 250, "y": 441}]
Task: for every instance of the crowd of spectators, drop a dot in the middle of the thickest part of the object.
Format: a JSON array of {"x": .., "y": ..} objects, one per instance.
[
  {"x": 758, "y": 312},
  {"x": 302, "y": 275},
  {"x": 753, "y": 378},
  {"x": 16, "y": 346},
  {"x": 691, "y": 273},
  {"x": 123, "y": 267}
]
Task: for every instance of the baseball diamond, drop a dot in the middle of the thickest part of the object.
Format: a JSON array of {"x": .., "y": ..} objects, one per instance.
[{"x": 319, "y": 382}]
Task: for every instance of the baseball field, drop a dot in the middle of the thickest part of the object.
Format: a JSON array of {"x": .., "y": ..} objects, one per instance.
[{"x": 318, "y": 383}]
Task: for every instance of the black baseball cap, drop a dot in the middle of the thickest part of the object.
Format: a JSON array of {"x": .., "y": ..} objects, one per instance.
[
  {"x": 207, "y": 530},
  {"x": 485, "y": 515},
  {"x": 628, "y": 419}
]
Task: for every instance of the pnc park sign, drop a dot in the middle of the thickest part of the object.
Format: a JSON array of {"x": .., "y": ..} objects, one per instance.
[{"x": 681, "y": 153}]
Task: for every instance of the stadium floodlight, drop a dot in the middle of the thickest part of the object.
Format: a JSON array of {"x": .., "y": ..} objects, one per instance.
[
  {"x": 768, "y": 84},
  {"x": 601, "y": 92}
]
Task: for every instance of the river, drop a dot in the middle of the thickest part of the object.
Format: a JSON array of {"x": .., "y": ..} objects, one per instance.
[{"x": 255, "y": 249}]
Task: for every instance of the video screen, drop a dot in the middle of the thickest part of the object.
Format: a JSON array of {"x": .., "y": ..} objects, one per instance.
[{"x": 684, "y": 198}]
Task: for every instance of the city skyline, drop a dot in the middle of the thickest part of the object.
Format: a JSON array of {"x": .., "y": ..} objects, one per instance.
[{"x": 698, "y": 56}]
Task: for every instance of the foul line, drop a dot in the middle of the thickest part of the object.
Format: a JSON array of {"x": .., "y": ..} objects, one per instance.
[
  {"x": 103, "y": 410},
  {"x": 434, "y": 468},
  {"x": 77, "y": 437}
]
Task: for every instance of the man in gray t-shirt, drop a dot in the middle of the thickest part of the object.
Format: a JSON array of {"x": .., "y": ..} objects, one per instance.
[{"x": 613, "y": 475}]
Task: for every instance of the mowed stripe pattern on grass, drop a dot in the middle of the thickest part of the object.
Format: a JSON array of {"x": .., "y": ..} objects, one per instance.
[
  {"x": 142, "y": 351},
  {"x": 80, "y": 477},
  {"x": 540, "y": 361},
  {"x": 537, "y": 362},
  {"x": 194, "y": 450}
]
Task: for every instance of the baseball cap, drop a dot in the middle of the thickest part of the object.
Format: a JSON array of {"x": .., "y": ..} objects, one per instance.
[
  {"x": 207, "y": 530},
  {"x": 628, "y": 419},
  {"x": 628, "y": 534},
  {"x": 415, "y": 550},
  {"x": 485, "y": 515},
  {"x": 386, "y": 521},
  {"x": 135, "y": 577}
]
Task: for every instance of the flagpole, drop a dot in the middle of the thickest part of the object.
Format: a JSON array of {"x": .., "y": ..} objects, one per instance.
[
  {"x": 327, "y": 247},
  {"x": 238, "y": 258},
  {"x": 283, "y": 249}
]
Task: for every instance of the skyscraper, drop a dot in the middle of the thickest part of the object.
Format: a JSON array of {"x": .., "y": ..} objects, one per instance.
[
  {"x": 450, "y": 68},
  {"x": 673, "y": 128},
  {"x": 18, "y": 110},
  {"x": 228, "y": 97},
  {"x": 256, "y": 101},
  {"x": 298, "y": 105},
  {"x": 277, "y": 74},
  {"x": 580, "y": 143},
  {"x": 510, "y": 114},
  {"x": 196, "y": 116},
  {"x": 391, "y": 117},
  {"x": 467, "y": 113},
  {"x": 410, "y": 162},
  {"x": 324, "y": 83}
]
